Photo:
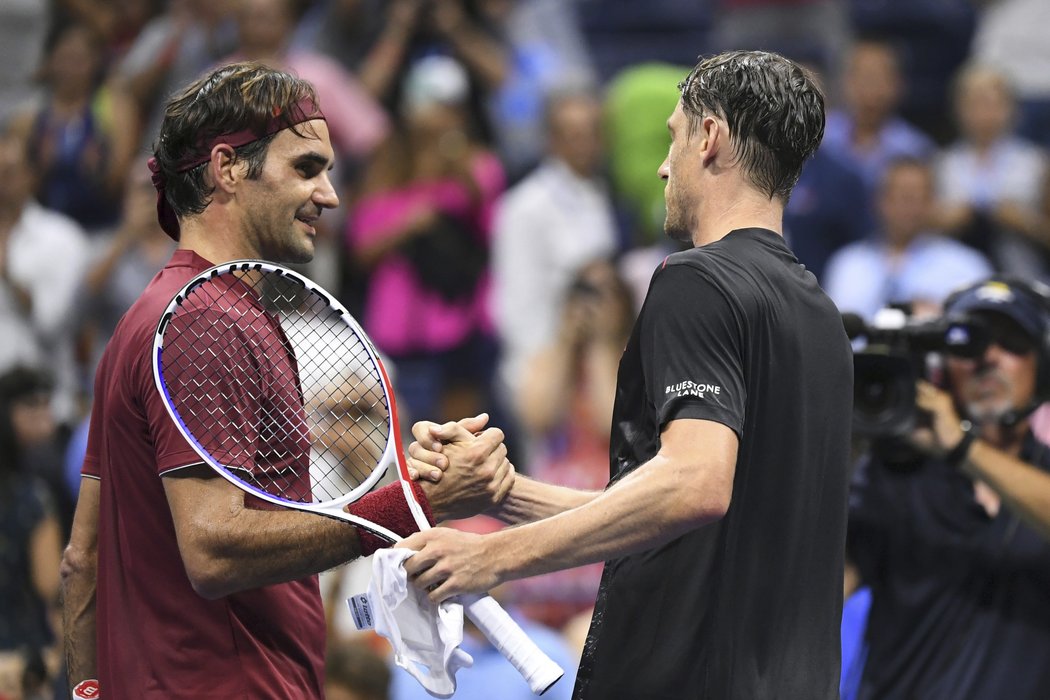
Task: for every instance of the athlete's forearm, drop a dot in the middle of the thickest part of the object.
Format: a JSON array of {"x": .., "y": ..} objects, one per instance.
[
  {"x": 256, "y": 548},
  {"x": 1024, "y": 488},
  {"x": 229, "y": 546},
  {"x": 78, "y": 575},
  {"x": 78, "y": 625},
  {"x": 648, "y": 508},
  {"x": 531, "y": 500},
  {"x": 688, "y": 484}
]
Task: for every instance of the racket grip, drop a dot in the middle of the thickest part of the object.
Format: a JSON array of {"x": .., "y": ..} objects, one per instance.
[{"x": 538, "y": 669}]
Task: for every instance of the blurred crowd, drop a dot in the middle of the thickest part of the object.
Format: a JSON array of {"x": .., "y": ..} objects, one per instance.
[{"x": 501, "y": 218}]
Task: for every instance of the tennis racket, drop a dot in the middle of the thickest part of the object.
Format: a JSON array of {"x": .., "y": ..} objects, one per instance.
[{"x": 281, "y": 392}]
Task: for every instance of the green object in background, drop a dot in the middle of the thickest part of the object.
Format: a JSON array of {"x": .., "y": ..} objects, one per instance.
[{"x": 638, "y": 102}]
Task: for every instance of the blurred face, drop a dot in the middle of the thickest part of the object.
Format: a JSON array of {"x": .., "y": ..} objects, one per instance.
[
  {"x": 679, "y": 170},
  {"x": 599, "y": 287},
  {"x": 984, "y": 107},
  {"x": 905, "y": 202},
  {"x": 576, "y": 135},
  {"x": 434, "y": 120},
  {"x": 32, "y": 419},
  {"x": 263, "y": 25},
  {"x": 140, "y": 201},
  {"x": 280, "y": 209},
  {"x": 74, "y": 62},
  {"x": 1002, "y": 378},
  {"x": 872, "y": 83}
]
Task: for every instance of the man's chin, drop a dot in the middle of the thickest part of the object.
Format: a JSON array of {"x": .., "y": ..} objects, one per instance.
[
  {"x": 985, "y": 412},
  {"x": 298, "y": 255},
  {"x": 677, "y": 233}
]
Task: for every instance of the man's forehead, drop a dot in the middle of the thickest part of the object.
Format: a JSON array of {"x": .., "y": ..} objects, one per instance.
[
  {"x": 308, "y": 136},
  {"x": 676, "y": 116}
]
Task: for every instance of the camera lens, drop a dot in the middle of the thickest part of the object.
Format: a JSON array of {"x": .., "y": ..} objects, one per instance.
[
  {"x": 877, "y": 394},
  {"x": 883, "y": 394}
]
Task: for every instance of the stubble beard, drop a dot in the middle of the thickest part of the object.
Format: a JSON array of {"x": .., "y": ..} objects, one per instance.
[
  {"x": 991, "y": 406},
  {"x": 676, "y": 227},
  {"x": 286, "y": 245}
]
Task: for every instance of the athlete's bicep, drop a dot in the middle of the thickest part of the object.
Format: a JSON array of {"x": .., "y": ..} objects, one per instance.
[
  {"x": 704, "y": 454},
  {"x": 201, "y": 503}
]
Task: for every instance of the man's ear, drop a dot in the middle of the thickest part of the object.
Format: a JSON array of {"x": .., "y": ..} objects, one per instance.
[
  {"x": 714, "y": 137},
  {"x": 225, "y": 169}
]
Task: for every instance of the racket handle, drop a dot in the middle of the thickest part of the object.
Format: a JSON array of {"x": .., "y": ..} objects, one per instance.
[{"x": 538, "y": 669}]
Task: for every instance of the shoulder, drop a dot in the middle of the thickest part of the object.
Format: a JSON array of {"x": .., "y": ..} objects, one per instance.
[
  {"x": 941, "y": 246},
  {"x": 856, "y": 252},
  {"x": 910, "y": 137},
  {"x": 1024, "y": 152},
  {"x": 523, "y": 196},
  {"x": 684, "y": 275}
]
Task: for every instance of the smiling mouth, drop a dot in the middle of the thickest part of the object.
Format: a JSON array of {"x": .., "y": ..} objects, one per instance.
[{"x": 309, "y": 221}]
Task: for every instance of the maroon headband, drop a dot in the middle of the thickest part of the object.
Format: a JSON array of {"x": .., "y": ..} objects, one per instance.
[{"x": 302, "y": 111}]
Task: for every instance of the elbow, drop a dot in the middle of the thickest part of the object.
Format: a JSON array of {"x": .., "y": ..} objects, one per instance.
[
  {"x": 706, "y": 505},
  {"x": 717, "y": 508},
  {"x": 210, "y": 574},
  {"x": 210, "y": 579},
  {"x": 77, "y": 563},
  {"x": 712, "y": 508}
]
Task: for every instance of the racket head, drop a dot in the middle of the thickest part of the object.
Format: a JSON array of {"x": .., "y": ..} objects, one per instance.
[{"x": 276, "y": 386}]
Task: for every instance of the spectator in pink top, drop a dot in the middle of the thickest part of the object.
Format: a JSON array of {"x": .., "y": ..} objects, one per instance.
[{"x": 422, "y": 230}]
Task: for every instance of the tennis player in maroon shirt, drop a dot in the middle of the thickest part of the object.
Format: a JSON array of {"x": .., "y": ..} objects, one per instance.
[{"x": 176, "y": 584}]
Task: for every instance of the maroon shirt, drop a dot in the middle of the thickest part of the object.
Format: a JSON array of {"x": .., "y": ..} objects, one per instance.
[{"x": 157, "y": 638}]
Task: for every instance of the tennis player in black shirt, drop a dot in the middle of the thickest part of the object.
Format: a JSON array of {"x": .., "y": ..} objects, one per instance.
[{"x": 723, "y": 525}]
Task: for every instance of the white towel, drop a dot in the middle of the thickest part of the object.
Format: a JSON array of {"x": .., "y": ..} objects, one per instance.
[{"x": 425, "y": 636}]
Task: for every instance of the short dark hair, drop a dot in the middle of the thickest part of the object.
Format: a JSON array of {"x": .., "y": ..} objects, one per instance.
[
  {"x": 773, "y": 107},
  {"x": 17, "y": 384},
  {"x": 232, "y": 98}
]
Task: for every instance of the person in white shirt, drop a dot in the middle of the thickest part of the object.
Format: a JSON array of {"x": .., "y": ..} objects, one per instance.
[
  {"x": 43, "y": 258},
  {"x": 549, "y": 226},
  {"x": 990, "y": 180}
]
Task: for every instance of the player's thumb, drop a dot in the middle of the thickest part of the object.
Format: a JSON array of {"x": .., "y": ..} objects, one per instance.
[{"x": 476, "y": 423}]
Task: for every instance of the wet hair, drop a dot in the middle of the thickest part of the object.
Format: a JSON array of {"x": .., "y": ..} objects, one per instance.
[
  {"x": 773, "y": 107},
  {"x": 230, "y": 99}
]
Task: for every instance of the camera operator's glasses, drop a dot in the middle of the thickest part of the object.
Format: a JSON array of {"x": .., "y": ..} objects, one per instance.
[{"x": 970, "y": 339}]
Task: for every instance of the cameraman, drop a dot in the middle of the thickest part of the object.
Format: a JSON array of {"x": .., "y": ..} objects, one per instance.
[{"x": 956, "y": 551}]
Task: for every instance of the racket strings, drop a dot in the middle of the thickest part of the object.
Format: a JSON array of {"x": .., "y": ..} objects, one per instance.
[{"x": 276, "y": 386}]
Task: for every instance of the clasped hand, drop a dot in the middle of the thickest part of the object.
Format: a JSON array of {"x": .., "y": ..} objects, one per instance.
[{"x": 450, "y": 562}]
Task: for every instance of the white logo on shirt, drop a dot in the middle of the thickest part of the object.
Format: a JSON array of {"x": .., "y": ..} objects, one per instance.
[{"x": 688, "y": 388}]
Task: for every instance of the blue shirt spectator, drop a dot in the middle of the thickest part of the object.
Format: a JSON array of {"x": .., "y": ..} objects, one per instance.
[
  {"x": 828, "y": 209},
  {"x": 894, "y": 139},
  {"x": 868, "y": 130},
  {"x": 906, "y": 262}
]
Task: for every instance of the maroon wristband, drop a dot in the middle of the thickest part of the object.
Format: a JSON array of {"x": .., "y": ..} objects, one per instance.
[{"x": 387, "y": 507}]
